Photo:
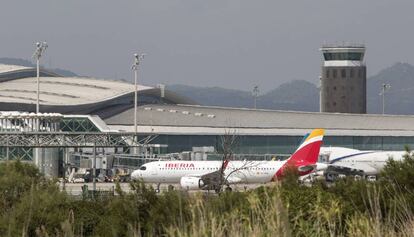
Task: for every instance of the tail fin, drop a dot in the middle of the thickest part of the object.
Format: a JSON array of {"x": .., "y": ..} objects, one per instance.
[
  {"x": 304, "y": 138},
  {"x": 305, "y": 157},
  {"x": 308, "y": 150}
]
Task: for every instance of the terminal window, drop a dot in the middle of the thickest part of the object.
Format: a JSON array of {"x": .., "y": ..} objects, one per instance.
[
  {"x": 334, "y": 73},
  {"x": 351, "y": 73},
  {"x": 343, "y": 73}
]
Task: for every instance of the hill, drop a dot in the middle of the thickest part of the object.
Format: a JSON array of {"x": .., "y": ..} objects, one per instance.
[
  {"x": 302, "y": 95},
  {"x": 215, "y": 96},
  {"x": 295, "y": 95},
  {"x": 399, "y": 99},
  {"x": 299, "y": 95}
]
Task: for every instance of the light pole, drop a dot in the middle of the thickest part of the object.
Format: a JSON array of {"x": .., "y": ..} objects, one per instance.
[
  {"x": 255, "y": 95},
  {"x": 40, "y": 49},
  {"x": 137, "y": 61},
  {"x": 384, "y": 88}
]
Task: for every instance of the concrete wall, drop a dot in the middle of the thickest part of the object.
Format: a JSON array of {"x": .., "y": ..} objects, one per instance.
[{"x": 343, "y": 89}]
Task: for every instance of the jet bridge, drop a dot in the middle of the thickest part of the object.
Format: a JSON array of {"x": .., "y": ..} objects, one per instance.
[{"x": 44, "y": 138}]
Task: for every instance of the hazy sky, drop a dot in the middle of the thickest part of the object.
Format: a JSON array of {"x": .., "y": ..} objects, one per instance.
[{"x": 228, "y": 43}]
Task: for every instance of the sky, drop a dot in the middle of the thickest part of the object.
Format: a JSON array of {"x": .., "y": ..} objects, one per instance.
[{"x": 226, "y": 43}]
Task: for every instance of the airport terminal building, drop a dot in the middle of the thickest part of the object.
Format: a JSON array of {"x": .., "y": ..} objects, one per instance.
[
  {"x": 89, "y": 104},
  {"x": 264, "y": 131}
]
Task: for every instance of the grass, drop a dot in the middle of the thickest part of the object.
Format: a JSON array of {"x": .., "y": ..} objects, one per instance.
[{"x": 34, "y": 206}]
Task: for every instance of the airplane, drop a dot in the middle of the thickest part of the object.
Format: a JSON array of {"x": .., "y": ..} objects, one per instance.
[
  {"x": 212, "y": 175},
  {"x": 351, "y": 161}
]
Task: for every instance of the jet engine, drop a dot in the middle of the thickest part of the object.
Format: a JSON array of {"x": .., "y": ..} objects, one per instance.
[
  {"x": 306, "y": 169},
  {"x": 191, "y": 183}
]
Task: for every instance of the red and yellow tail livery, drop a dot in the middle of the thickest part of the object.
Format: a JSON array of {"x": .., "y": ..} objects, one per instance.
[{"x": 306, "y": 156}]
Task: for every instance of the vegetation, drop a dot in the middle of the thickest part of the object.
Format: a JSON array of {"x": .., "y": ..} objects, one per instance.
[{"x": 31, "y": 205}]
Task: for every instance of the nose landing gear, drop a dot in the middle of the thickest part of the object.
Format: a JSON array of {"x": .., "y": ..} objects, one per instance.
[{"x": 157, "y": 190}]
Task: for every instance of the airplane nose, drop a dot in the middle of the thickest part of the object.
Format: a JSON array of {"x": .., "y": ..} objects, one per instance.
[{"x": 135, "y": 174}]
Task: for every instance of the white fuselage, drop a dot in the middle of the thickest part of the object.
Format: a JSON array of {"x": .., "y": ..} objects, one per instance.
[
  {"x": 372, "y": 162},
  {"x": 235, "y": 172}
]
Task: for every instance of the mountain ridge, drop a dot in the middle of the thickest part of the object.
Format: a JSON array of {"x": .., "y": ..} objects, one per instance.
[
  {"x": 302, "y": 95},
  {"x": 296, "y": 95}
]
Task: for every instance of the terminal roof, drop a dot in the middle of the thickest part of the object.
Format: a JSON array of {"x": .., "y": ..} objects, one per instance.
[
  {"x": 64, "y": 90},
  {"x": 4, "y": 68},
  {"x": 202, "y": 120}
]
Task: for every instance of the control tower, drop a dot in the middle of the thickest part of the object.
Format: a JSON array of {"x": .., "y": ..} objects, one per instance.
[{"x": 343, "y": 79}]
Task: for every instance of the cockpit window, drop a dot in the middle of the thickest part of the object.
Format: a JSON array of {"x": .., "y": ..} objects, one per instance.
[
  {"x": 143, "y": 168},
  {"x": 324, "y": 158}
]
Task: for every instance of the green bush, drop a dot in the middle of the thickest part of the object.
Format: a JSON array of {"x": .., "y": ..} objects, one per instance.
[
  {"x": 16, "y": 179},
  {"x": 400, "y": 172},
  {"x": 33, "y": 206}
]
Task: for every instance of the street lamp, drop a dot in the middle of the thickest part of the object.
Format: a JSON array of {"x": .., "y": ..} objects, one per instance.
[
  {"x": 40, "y": 49},
  {"x": 137, "y": 61},
  {"x": 384, "y": 88}
]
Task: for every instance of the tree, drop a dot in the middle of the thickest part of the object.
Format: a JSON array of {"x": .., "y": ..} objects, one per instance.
[
  {"x": 16, "y": 178},
  {"x": 400, "y": 172},
  {"x": 228, "y": 142}
]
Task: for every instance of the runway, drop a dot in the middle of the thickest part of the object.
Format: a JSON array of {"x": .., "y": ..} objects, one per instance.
[{"x": 76, "y": 188}]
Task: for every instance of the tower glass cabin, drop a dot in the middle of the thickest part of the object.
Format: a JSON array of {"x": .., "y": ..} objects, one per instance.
[{"x": 343, "y": 79}]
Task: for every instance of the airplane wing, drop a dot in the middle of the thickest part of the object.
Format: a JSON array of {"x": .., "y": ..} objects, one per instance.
[
  {"x": 233, "y": 180},
  {"x": 359, "y": 169},
  {"x": 212, "y": 178},
  {"x": 215, "y": 179}
]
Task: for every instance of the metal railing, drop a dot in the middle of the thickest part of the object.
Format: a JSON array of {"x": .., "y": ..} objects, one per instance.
[{"x": 71, "y": 139}]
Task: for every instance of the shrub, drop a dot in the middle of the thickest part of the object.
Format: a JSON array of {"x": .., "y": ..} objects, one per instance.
[{"x": 34, "y": 206}]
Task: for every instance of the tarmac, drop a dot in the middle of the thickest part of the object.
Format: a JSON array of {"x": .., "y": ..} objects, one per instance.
[{"x": 76, "y": 188}]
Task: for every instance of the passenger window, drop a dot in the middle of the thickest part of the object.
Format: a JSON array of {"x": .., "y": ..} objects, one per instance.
[{"x": 143, "y": 168}]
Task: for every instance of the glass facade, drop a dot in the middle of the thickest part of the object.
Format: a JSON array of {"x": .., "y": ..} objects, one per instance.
[
  {"x": 343, "y": 56},
  {"x": 280, "y": 144},
  {"x": 77, "y": 125},
  {"x": 250, "y": 145},
  {"x": 16, "y": 153}
]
